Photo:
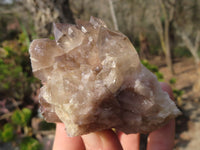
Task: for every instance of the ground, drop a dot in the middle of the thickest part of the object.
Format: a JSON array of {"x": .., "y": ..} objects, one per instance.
[{"x": 188, "y": 124}]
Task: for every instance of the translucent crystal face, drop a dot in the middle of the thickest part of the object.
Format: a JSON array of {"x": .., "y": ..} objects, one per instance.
[{"x": 93, "y": 80}]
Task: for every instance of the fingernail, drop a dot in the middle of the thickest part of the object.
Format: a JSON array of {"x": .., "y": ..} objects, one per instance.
[{"x": 92, "y": 141}]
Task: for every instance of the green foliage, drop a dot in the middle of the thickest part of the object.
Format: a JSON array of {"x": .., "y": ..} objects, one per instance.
[
  {"x": 47, "y": 126},
  {"x": 24, "y": 40},
  {"x": 51, "y": 37},
  {"x": 16, "y": 75},
  {"x": 8, "y": 51},
  {"x": 172, "y": 81},
  {"x": 30, "y": 143},
  {"x": 178, "y": 93},
  {"x": 9, "y": 72},
  {"x": 7, "y": 134},
  {"x": 159, "y": 76},
  {"x": 27, "y": 114},
  {"x": 153, "y": 69},
  {"x": 18, "y": 83},
  {"x": 21, "y": 117},
  {"x": 178, "y": 96},
  {"x": 18, "y": 117}
]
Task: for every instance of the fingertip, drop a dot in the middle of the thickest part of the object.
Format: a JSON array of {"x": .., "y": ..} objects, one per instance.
[
  {"x": 106, "y": 140},
  {"x": 129, "y": 141},
  {"x": 62, "y": 141}
]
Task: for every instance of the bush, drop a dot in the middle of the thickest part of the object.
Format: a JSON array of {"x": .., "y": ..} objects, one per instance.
[
  {"x": 18, "y": 84},
  {"x": 29, "y": 143},
  {"x": 7, "y": 134},
  {"x": 172, "y": 81},
  {"x": 16, "y": 75},
  {"x": 21, "y": 117},
  {"x": 20, "y": 120}
]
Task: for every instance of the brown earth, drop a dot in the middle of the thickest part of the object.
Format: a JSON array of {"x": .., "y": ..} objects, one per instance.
[{"x": 188, "y": 124}]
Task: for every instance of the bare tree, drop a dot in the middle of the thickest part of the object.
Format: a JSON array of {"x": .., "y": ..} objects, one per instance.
[
  {"x": 188, "y": 28},
  {"x": 162, "y": 13},
  {"x": 193, "y": 47}
]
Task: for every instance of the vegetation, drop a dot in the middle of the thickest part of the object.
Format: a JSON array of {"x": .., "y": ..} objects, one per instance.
[
  {"x": 18, "y": 84},
  {"x": 17, "y": 88},
  {"x": 20, "y": 120}
]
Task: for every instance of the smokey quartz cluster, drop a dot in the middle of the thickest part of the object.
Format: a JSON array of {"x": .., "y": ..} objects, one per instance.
[{"x": 93, "y": 80}]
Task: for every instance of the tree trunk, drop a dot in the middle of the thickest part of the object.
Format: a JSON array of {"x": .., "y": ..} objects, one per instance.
[
  {"x": 144, "y": 46},
  {"x": 169, "y": 60},
  {"x": 165, "y": 44},
  {"x": 166, "y": 11},
  {"x": 168, "y": 56},
  {"x": 66, "y": 15},
  {"x": 196, "y": 87}
]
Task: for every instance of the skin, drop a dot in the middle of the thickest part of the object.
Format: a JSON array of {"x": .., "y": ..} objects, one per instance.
[{"x": 161, "y": 139}]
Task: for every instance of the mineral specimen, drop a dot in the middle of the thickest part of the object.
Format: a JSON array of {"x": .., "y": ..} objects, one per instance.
[{"x": 93, "y": 80}]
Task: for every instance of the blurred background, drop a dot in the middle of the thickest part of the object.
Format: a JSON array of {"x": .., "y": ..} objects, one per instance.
[{"x": 166, "y": 34}]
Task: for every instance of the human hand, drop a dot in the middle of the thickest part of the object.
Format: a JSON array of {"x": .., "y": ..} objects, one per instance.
[{"x": 161, "y": 139}]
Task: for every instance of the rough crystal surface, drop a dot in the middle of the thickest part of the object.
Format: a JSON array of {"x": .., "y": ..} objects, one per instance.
[{"x": 93, "y": 80}]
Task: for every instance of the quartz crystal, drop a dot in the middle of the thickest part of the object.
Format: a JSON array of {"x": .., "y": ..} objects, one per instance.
[{"x": 93, "y": 80}]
